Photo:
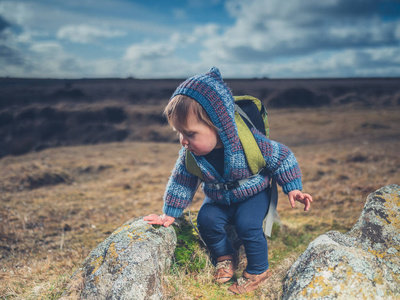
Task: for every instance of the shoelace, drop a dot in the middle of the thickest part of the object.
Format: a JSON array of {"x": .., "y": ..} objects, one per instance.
[
  {"x": 242, "y": 280},
  {"x": 223, "y": 264}
]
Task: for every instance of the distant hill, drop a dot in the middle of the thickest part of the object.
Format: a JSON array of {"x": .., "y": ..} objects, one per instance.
[
  {"x": 274, "y": 92},
  {"x": 40, "y": 113}
]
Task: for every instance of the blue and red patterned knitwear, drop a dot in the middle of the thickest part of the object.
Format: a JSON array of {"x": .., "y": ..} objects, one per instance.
[{"x": 216, "y": 98}]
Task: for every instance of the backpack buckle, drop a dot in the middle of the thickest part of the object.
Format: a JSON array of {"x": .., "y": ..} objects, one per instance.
[
  {"x": 263, "y": 171},
  {"x": 227, "y": 186},
  {"x": 230, "y": 185}
]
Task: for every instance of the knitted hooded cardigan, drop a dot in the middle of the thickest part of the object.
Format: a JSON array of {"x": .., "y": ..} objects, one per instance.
[{"x": 216, "y": 98}]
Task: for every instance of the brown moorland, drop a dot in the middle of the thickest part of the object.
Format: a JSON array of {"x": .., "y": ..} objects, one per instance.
[
  {"x": 40, "y": 113},
  {"x": 58, "y": 203}
]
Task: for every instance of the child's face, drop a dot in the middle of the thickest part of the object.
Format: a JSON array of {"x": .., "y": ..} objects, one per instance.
[{"x": 198, "y": 137}]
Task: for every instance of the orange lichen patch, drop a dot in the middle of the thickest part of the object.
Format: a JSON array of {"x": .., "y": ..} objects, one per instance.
[
  {"x": 120, "y": 229},
  {"x": 112, "y": 252},
  {"x": 377, "y": 253},
  {"x": 136, "y": 235},
  {"x": 392, "y": 205},
  {"x": 132, "y": 233},
  {"x": 386, "y": 253},
  {"x": 97, "y": 263},
  {"x": 96, "y": 280},
  {"x": 319, "y": 286},
  {"x": 324, "y": 285},
  {"x": 391, "y": 251}
]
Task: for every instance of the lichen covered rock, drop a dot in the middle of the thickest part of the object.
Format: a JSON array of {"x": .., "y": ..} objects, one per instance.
[
  {"x": 129, "y": 263},
  {"x": 361, "y": 264}
]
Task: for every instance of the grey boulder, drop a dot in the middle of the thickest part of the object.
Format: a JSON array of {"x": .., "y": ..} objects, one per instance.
[
  {"x": 361, "y": 264},
  {"x": 129, "y": 264}
]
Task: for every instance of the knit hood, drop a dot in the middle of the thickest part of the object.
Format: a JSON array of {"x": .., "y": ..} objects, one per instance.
[
  {"x": 213, "y": 94},
  {"x": 216, "y": 98}
]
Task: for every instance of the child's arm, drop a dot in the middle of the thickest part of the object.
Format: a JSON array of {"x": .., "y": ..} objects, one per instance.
[
  {"x": 163, "y": 220},
  {"x": 281, "y": 162},
  {"x": 180, "y": 189},
  {"x": 178, "y": 194},
  {"x": 304, "y": 198}
]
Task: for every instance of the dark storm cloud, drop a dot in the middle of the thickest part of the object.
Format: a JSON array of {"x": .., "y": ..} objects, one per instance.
[
  {"x": 280, "y": 29},
  {"x": 3, "y": 24},
  {"x": 9, "y": 56}
]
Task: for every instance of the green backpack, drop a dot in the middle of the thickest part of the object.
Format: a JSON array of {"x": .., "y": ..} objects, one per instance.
[{"x": 249, "y": 112}]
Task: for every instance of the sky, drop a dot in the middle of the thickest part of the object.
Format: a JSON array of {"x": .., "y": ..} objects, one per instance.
[{"x": 178, "y": 39}]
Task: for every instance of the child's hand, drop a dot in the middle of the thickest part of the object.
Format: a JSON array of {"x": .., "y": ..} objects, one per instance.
[
  {"x": 163, "y": 220},
  {"x": 304, "y": 198}
]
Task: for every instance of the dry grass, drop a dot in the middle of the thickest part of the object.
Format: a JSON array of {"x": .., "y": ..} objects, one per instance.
[{"x": 58, "y": 204}]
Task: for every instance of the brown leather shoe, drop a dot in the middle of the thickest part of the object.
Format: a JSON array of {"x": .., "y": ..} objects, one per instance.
[
  {"x": 249, "y": 282},
  {"x": 224, "y": 269}
]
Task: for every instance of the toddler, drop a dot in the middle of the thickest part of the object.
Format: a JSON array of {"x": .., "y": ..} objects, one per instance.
[{"x": 202, "y": 111}]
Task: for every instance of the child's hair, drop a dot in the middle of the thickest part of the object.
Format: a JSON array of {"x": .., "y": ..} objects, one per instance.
[{"x": 177, "y": 111}]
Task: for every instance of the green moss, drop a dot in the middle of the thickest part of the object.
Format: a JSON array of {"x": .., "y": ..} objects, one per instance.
[{"x": 188, "y": 249}]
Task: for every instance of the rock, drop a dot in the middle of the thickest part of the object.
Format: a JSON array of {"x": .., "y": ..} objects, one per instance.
[
  {"x": 129, "y": 263},
  {"x": 361, "y": 264}
]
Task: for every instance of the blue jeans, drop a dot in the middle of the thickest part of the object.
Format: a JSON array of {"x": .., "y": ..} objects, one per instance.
[{"x": 247, "y": 216}]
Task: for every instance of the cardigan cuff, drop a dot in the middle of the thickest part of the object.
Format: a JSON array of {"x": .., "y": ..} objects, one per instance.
[
  {"x": 293, "y": 185},
  {"x": 172, "y": 211}
]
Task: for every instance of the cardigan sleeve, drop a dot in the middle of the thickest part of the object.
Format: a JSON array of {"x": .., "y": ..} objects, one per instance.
[
  {"x": 281, "y": 162},
  {"x": 180, "y": 189}
]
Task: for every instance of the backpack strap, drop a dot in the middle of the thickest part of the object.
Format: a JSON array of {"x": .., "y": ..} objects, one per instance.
[
  {"x": 244, "y": 115},
  {"x": 255, "y": 100},
  {"x": 261, "y": 112},
  {"x": 192, "y": 166},
  {"x": 251, "y": 149},
  {"x": 273, "y": 203}
]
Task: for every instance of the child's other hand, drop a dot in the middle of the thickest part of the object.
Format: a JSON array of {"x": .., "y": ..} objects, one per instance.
[
  {"x": 304, "y": 198},
  {"x": 163, "y": 220}
]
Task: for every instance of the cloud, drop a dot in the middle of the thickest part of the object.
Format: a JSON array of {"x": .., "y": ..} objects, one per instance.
[
  {"x": 9, "y": 53},
  {"x": 10, "y": 56},
  {"x": 49, "y": 58},
  {"x": 86, "y": 34},
  {"x": 148, "y": 51},
  {"x": 285, "y": 39},
  {"x": 197, "y": 36},
  {"x": 265, "y": 30},
  {"x": 332, "y": 38},
  {"x": 176, "y": 56},
  {"x": 203, "y": 3},
  {"x": 179, "y": 14},
  {"x": 3, "y": 24},
  {"x": 15, "y": 13}
]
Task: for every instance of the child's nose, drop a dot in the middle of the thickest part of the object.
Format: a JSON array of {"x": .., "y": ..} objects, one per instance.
[{"x": 184, "y": 142}]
